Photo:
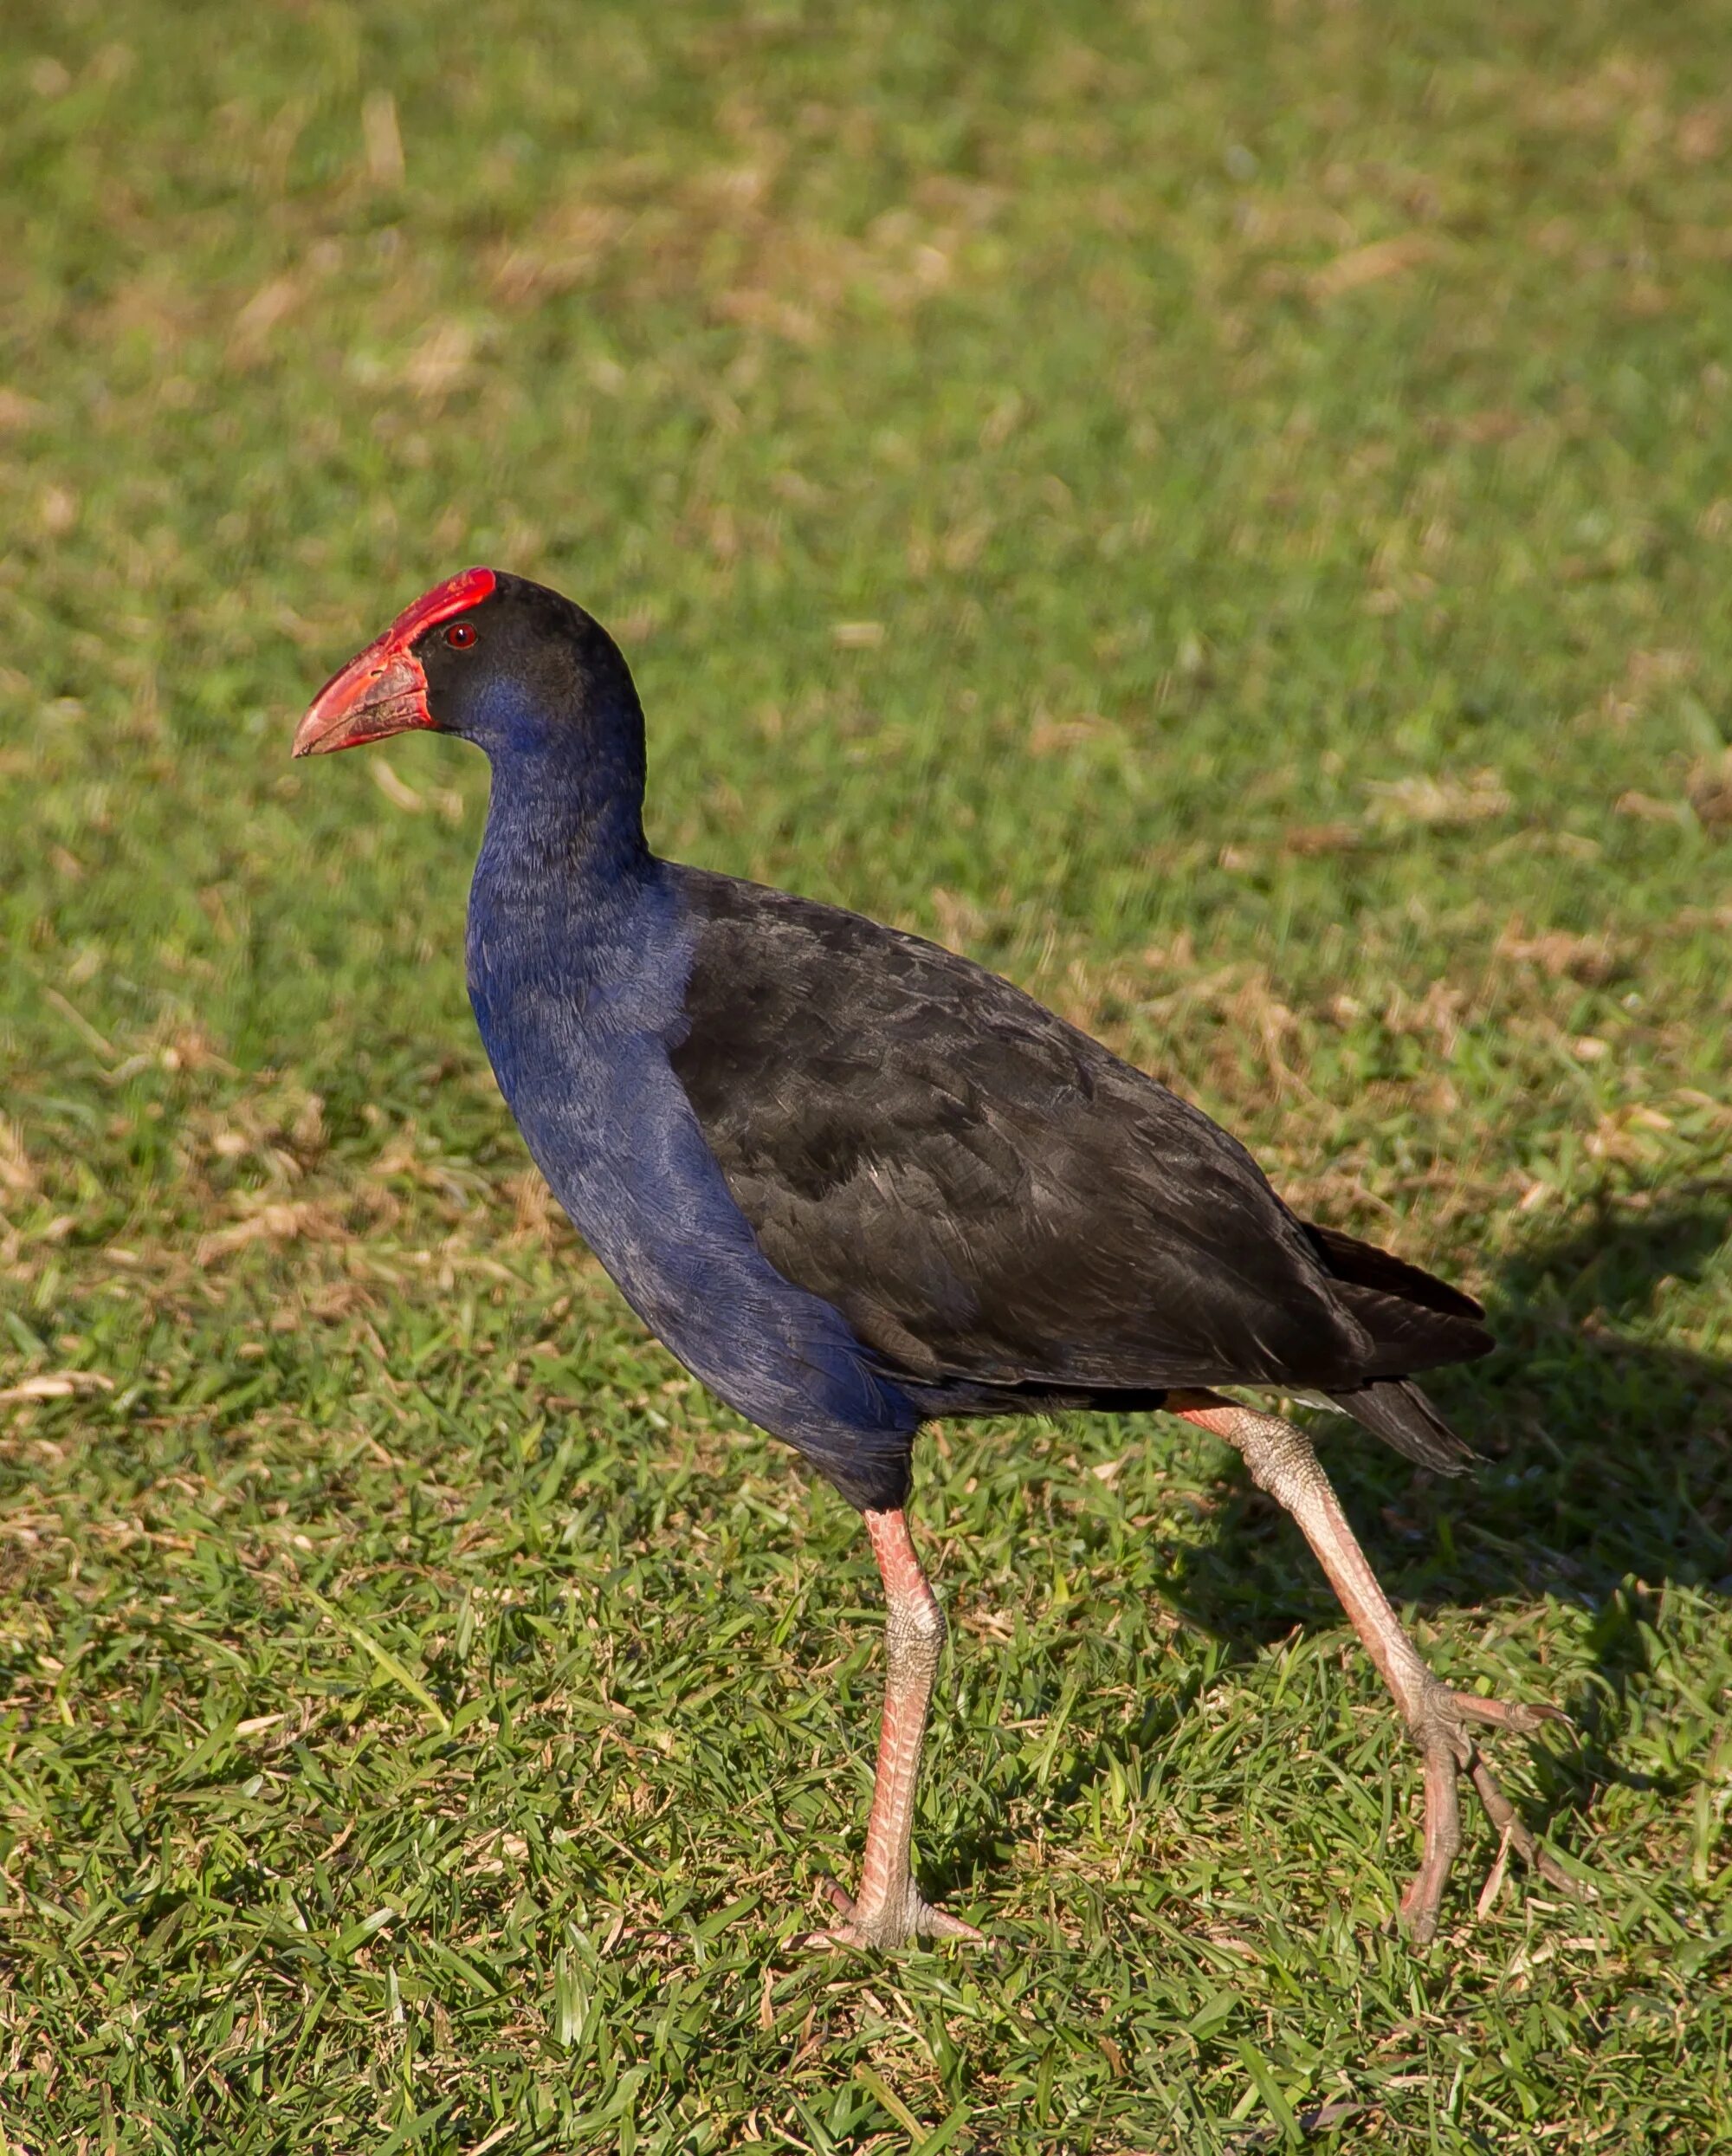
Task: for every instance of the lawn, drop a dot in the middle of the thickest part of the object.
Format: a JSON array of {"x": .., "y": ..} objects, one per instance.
[{"x": 1224, "y": 513}]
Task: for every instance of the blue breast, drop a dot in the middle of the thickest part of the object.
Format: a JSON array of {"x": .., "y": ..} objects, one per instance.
[{"x": 576, "y": 983}]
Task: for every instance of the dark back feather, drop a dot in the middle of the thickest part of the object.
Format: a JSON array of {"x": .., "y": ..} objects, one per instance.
[{"x": 1006, "y": 1214}]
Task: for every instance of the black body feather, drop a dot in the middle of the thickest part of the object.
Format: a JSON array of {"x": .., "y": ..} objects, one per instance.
[{"x": 1008, "y": 1216}]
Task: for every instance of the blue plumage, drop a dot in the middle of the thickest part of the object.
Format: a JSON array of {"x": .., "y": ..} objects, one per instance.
[{"x": 579, "y": 945}]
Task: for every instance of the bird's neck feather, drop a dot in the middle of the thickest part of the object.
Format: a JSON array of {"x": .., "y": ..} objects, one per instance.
[
  {"x": 572, "y": 928},
  {"x": 565, "y": 815}
]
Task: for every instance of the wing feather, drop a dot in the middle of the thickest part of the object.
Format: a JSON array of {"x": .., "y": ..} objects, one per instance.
[{"x": 992, "y": 1200}]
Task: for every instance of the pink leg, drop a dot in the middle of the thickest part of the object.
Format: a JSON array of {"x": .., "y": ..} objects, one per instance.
[
  {"x": 888, "y": 1911},
  {"x": 1282, "y": 1461}
]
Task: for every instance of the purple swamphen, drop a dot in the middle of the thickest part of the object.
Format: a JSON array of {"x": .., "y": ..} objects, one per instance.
[{"x": 854, "y": 1181}]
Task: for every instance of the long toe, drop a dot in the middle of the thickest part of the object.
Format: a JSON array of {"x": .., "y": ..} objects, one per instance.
[
  {"x": 1524, "y": 1716},
  {"x": 940, "y": 1924},
  {"x": 1450, "y": 1752},
  {"x": 1516, "y": 1831}
]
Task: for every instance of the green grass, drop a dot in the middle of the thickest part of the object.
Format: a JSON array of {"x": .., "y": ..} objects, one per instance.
[{"x": 1224, "y": 513}]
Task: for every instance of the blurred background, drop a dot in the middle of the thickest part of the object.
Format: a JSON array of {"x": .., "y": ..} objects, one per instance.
[{"x": 1225, "y": 515}]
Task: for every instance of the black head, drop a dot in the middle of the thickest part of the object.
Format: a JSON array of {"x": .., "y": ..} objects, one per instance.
[{"x": 506, "y": 663}]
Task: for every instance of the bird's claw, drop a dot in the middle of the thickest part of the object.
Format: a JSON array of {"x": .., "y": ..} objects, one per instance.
[
  {"x": 1451, "y": 1751},
  {"x": 898, "y": 1923},
  {"x": 1524, "y": 1716}
]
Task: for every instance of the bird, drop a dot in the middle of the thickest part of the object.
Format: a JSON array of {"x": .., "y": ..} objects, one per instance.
[{"x": 854, "y": 1183}]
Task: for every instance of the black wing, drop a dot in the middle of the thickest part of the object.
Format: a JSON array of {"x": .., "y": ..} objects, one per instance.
[{"x": 1005, "y": 1213}]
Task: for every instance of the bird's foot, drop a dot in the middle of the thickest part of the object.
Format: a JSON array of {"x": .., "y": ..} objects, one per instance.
[
  {"x": 1440, "y": 1731},
  {"x": 893, "y": 1920}
]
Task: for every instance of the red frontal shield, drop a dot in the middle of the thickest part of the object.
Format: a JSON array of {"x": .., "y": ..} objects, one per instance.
[{"x": 383, "y": 690}]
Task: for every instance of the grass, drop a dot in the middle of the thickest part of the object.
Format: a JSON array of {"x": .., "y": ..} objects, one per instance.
[{"x": 1223, "y": 514}]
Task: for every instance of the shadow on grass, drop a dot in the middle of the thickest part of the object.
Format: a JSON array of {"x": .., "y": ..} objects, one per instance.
[
  {"x": 1607, "y": 1475},
  {"x": 1606, "y": 1480}
]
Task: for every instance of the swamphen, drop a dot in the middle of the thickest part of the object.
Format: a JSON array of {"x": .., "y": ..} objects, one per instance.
[{"x": 854, "y": 1181}]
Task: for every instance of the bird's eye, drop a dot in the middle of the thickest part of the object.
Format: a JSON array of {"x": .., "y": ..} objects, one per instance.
[{"x": 460, "y": 636}]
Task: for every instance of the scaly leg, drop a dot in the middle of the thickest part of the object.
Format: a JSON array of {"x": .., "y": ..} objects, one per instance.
[
  {"x": 1282, "y": 1461},
  {"x": 888, "y": 1911}
]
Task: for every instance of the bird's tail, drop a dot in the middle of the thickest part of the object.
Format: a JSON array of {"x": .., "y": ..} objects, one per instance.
[{"x": 1396, "y": 1411}]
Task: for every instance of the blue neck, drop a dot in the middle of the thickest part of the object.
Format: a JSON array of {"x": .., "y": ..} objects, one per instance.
[
  {"x": 565, "y": 827},
  {"x": 574, "y": 939}
]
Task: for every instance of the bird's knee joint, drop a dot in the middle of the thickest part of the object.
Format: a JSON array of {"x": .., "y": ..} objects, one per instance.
[{"x": 1280, "y": 1460}]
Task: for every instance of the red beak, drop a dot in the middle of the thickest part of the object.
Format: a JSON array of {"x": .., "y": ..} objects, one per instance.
[
  {"x": 383, "y": 690},
  {"x": 377, "y": 693}
]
